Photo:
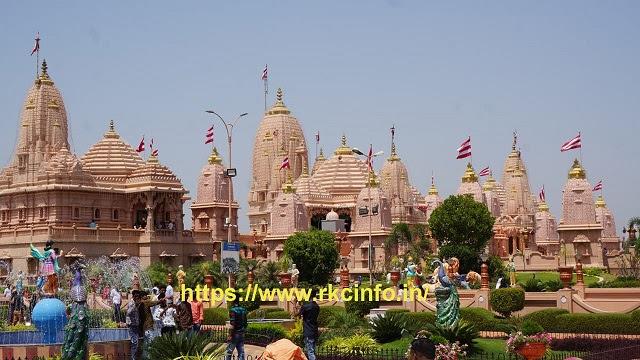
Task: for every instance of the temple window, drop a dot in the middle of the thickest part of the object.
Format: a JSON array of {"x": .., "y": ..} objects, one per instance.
[
  {"x": 167, "y": 216},
  {"x": 204, "y": 224},
  {"x": 76, "y": 213},
  {"x": 96, "y": 213},
  {"x": 4, "y": 216},
  {"x": 41, "y": 210},
  {"x": 261, "y": 196},
  {"x": 116, "y": 214},
  {"x": 21, "y": 214}
]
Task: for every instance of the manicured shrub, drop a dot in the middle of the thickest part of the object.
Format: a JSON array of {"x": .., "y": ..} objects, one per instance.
[
  {"x": 389, "y": 327},
  {"x": 529, "y": 328},
  {"x": 249, "y": 305},
  {"x": 625, "y": 283},
  {"x": 417, "y": 321},
  {"x": 597, "y": 324},
  {"x": 216, "y": 316},
  {"x": 533, "y": 285},
  {"x": 326, "y": 314},
  {"x": 274, "y": 332},
  {"x": 399, "y": 311},
  {"x": 359, "y": 344},
  {"x": 546, "y": 318},
  {"x": 482, "y": 319},
  {"x": 463, "y": 332},
  {"x": 553, "y": 285},
  {"x": 588, "y": 343},
  {"x": 361, "y": 307},
  {"x": 506, "y": 301}
]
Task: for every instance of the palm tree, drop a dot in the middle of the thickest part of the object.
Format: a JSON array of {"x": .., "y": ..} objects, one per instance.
[{"x": 267, "y": 275}]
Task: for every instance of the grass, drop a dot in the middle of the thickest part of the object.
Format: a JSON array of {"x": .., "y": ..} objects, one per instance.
[
  {"x": 401, "y": 345},
  {"x": 522, "y": 277}
]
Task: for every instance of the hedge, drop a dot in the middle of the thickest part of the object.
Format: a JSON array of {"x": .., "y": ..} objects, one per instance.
[
  {"x": 216, "y": 316},
  {"x": 482, "y": 319},
  {"x": 506, "y": 301},
  {"x": 361, "y": 307},
  {"x": 275, "y": 332},
  {"x": 597, "y": 324},
  {"x": 270, "y": 313},
  {"x": 547, "y": 318},
  {"x": 326, "y": 314},
  {"x": 417, "y": 320}
]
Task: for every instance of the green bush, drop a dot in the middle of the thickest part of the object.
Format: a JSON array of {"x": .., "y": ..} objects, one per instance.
[
  {"x": 533, "y": 285},
  {"x": 547, "y": 318},
  {"x": 325, "y": 317},
  {"x": 597, "y": 324},
  {"x": 484, "y": 320},
  {"x": 616, "y": 284},
  {"x": 506, "y": 301},
  {"x": 358, "y": 344},
  {"x": 216, "y": 316},
  {"x": 417, "y": 321},
  {"x": 592, "y": 271},
  {"x": 553, "y": 285},
  {"x": 496, "y": 268},
  {"x": 296, "y": 335},
  {"x": 388, "y": 327},
  {"x": 529, "y": 328},
  {"x": 463, "y": 331},
  {"x": 275, "y": 332},
  {"x": 397, "y": 311},
  {"x": 361, "y": 307},
  {"x": 174, "y": 346},
  {"x": 248, "y": 305}
]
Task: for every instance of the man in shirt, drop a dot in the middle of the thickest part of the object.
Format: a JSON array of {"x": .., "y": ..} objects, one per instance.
[
  {"x": 185, "y": 318},
  {"x": 309, "y": 313},
  {"x": 146, "y": 318},
  {"x": 238, "y": 323},
  {"x": 197, "y": 313},
  {"x": 116, "y": 300},
  {"x": 133, "y": 322},
  {"x": 169, "y": 292}
]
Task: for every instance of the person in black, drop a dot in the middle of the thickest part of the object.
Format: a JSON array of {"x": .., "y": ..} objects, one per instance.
[
  {"x": 309, "y": 313},
  {"x": 422, "y": 349}
]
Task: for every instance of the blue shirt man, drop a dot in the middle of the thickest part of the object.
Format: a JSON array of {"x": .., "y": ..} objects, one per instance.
[{"x": 238, "y": 322}]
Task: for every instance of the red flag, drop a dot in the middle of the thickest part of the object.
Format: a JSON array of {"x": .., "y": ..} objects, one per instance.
[
  {"x": 370, "y": 158},
  {"x": 598, "y": 186},
  {"x": 572, "y": 144},
  {"x": 264, "y": 73},
  {"x": 141, "y": 146},
  {"x": 484, "y": 172},
  {"x": 318, "y": 136},
  {"x": 465, "y": 149},
  {"x": 542, "y": 195},
  {"x": 154, "y": 153},
  {"x": 209, "y": 136},
  {"x": 285, "y": 163},
  {"x": 151, "y": 145},
  {"x": 36, "y": 47}
]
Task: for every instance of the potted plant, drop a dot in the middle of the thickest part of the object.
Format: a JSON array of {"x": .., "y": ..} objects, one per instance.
[
  {"x": 206, "y": 271},
  {"x": 285, "y": 277},
  {"x": 566, "y": 272},
  {"x": 530, "y": 341}
]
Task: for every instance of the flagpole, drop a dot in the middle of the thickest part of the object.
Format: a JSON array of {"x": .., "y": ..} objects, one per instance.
[
  {"x": 38, "y": 55},
  {"x": 580, "y": 150},
  {"x": 266, "y": 89}
]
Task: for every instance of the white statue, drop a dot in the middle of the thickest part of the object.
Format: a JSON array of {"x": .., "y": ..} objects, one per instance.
[{"x": 295, "y": 273}]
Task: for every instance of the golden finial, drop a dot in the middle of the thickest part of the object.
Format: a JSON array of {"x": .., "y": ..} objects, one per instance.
[
  {"x": 394, "y": 156},
  {"x": 543, "y": 206},
  {"x": 577, "y": 172},
  {"x": 53, "y": 104},
  {"x": 488, "y": 185},
  {"x": 288, "y": 187},
  {"x": 56, "y": 123},
  {"x": 44, "y": 76},
  {"x": 373, "y": 181},
  {"x": 215, "y": 157},
  {"x": 111, "y": 134},
  {"x": 343, "y": 149},
  {"x": 600, "y": 202},
  {"x": 152, "y": 159},
  {"x": 44, "y": 67},
  {"x": 305, "y": 171},
  {"x": 321, "y": 156},
  {"x": 433, "y": 190},
  {"x": 469, "y": 175},
  {"x": 279, "y": 107}
]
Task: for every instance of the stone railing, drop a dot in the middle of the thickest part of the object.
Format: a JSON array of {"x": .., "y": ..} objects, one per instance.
[{"x": 97, "y": 233}]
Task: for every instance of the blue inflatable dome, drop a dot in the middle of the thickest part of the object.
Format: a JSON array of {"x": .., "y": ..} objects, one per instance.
[{"x": 49, "y": 316}]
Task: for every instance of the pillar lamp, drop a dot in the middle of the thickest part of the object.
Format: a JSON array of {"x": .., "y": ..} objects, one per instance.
[
  {"x": 344, "y": 273},
  {"x": 484, "y": 272},
  {"x": 250, "y": 274},
  {"x": 579, "y": 274}
]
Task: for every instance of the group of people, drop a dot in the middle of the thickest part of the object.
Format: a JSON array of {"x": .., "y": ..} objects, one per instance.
[{"x": 155, "y": 314}]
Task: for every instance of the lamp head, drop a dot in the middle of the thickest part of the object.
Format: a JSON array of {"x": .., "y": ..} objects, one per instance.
[{"x": 484, "y": 257}]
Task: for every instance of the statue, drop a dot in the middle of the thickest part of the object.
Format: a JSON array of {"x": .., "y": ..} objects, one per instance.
[
  {"x": 19, "y": 282},
  {"x": 448, "y": 302},
  {"x": 411, "y": 270},
  {"x": 76, "y": 332},
  {"x": 295, "y": 273},
  {"x": 49, "y": 271},
  {"x": 135, "y": 281},
  {"x": 512, "y": 272},
  {"x": 180, "y": 275}
]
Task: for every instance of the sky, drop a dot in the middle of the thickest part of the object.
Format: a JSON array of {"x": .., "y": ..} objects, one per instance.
[{"x": 438, "y": 71}]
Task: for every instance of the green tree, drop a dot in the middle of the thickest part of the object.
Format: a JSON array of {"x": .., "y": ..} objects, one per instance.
[
  {"x": 315, "y": 254},
  {"x": 460, "y": 220},
  {"x": 267, "y": 275},
  {"x": 416, "y": 236},
  {"x": 196, "y": 273},
  {"x": 158, "y": 273}
]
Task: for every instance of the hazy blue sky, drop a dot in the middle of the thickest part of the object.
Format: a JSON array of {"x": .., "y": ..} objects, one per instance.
[{"x": 439, "y": 71}]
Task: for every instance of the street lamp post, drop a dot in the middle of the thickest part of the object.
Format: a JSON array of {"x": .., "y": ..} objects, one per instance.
[
  {"x": 484, "y": 272},
  {"x": 370, "y": 209},
  {"x": 231, "y": 172}
]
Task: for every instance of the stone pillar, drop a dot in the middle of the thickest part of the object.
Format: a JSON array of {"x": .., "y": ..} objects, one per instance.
[
  {"x": 344, "y": 277},
  {"x": 151, "y": 224},
  {"x": 564, "y": 299},
  {"x": 482, "y": 298},
  {"x": 484, "y": 276},
  {"x": 580, "y": 285}
]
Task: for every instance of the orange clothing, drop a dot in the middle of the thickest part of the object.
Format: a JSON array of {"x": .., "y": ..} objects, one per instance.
[{"x": 197, "y": 311}]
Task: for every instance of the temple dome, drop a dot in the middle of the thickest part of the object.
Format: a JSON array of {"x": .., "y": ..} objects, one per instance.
[
  {"x": 578, "y": 207},
  {"x": 152, "y": 174},
  {"x": 112, "y": 159},
  {"x": 318, "y": 163},
  {"x": 344, "y": 174},
  {"x": 432, "y": 200},
  {"x": 65, "y": 168},
  {"x": 213, "y": 185},
  {"x": 470, "y": 185},
  {"x": 308, "y": 189},
  {"x": 546, "y": 232},
  {"x": 402, "y": 195},
  {"x": 605, "y": 217},
  {"x": 380, "y": 221},
  {"x": 289, "y": 213},
  {"x": 332, "y": 215}
]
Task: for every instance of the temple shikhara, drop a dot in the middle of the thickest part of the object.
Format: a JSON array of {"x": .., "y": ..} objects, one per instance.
[{"x": 112, "y": 201}]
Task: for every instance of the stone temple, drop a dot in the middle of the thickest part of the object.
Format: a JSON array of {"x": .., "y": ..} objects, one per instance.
[
  {"x": 112, "y": 201},
  {"x": 108, "y": 202}
]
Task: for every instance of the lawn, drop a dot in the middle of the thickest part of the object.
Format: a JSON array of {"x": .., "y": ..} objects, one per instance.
[{"x": 522, "y": 277}]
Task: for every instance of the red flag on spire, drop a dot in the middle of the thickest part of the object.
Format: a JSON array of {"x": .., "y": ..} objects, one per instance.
[
  {"x": 484, "y": 172},
  {"x": 209, "y": 136},
  {"x": 141, "y": 145},
  {"x": 36, "y": 47},
  {"x": 542, "y": 195},
  {"x": 264, "y": 72},
  {"x": 318, "y": 136},
  {"x": 285, "y": 163},
  {"x": 153, "y": 152},
  {"x": 465, "y": 149},
  {"x": 572, "y": 144},
  {"x": 370, "y": 158},
  {"x": 598, "y": 186}
]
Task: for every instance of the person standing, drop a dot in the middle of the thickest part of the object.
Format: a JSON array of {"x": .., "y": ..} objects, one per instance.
[
  {"x": 169, "y": 292},
  {"x": 197, "y": 313},
  {"x": 422, "y": 349},
  {"x": 133, "y": 322},
  {"x": 116, "y": 300},
  {"x": 309, "y": 313},
  {"x": 185, "y": 318},
  {"x": 146, "y": 318},
  {"x": 238, "y": 323},
  {"x": 168, "y": 316}
]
